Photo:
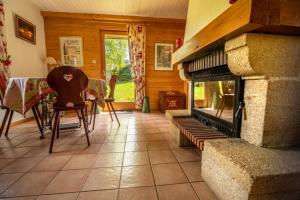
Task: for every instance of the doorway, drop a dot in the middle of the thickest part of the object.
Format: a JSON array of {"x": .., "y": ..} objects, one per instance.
[{"x": 116, "y": 61}]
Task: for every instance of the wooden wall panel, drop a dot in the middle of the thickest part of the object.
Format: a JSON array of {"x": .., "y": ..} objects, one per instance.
[{"x": 161, "y": 32}]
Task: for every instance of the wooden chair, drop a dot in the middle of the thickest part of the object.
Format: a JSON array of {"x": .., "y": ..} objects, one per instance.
[
  {"x": 8, "y": 112},
  {"x": 110, "y": 99},
  {"x": 69, "y": 83}
]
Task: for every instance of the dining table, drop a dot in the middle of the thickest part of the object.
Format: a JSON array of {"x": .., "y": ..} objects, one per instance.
[{"x": 27, "y": 93}]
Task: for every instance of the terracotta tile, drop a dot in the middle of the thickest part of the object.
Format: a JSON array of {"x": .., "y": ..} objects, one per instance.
[
  {"x": 136, "y": 176},
  {"x": 67, "y": 181},
  {"x": 92, "y": 149},
  {"x": 67, "y": 196},
  {"x": 168, "y": 174},
  {"x": 115, "y": 138},
  {"x": 136, "y": 146},
  {"x": 109, "y": 160},
  {"x": 21, "y": 165},
  {"x": 186, "y": 154},
  {"x": 99, "y": 195},
  {"x": 176, "y": 192},
  {"x": 7, "y": 179},
  {"x": 203, "y": 191},
  {"x": 158, "y": 157},
  {"x": 5, "y": 162},
  {"x": 68, "y": 149},
  {"x": 158, "y": 145},
  {"x": 103, "y": 178},
  {"x": 141, "y": 193},
  {"x": 38, "y": 181},
  {"x": 81, "y": 161},
  {"x": 51, "y": 163},
  {"x": 38, "y": 152},
  {"x": 136, "y": 158},
  {"x": 192, "y": 170},
  {"x": 21, "y": 198},
  {"x": 15, "y": 152},
  {"x": 112, "y": 147}
]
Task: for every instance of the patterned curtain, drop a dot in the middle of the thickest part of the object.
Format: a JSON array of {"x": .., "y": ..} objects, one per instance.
[
  {"x": 137, "y": 46},
  {"x": 4, "y": 70}
]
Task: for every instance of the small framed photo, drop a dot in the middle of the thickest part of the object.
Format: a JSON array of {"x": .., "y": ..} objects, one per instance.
[
  {"x": 163, "y": 55},
  {"x": 71, "y": 51},
  {"x": 25, "y": 30}
]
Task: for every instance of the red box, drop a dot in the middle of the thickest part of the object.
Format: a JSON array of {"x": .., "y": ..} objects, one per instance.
[{"x": 171, "y": 100}]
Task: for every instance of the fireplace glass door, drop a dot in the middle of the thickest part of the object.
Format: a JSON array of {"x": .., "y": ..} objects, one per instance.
[{"x": 215, "y": 98}]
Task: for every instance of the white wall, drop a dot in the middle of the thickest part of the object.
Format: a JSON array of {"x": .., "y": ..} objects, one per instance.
[
  {"x": 201, "y": 13},
  {"x": 26, "y": 57}
]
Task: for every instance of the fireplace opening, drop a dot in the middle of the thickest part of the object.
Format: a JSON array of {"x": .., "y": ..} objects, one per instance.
[{"x": 217, "y": 99}]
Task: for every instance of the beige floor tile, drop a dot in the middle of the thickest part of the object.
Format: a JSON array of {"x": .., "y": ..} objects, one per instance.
[
  {"x": 141, "y": 193},
  {"x": 136, "y": 176},
  {"x": 67, "y": 181},
  {"x": 81, "y": 161},
  {"x": 186, "y": 154},
  {"x": 158, "y": 145},
  {"x": 109, "y": 160},
  {"x": 176, "y": 192},
  {"x": 115, "y": 138},
  {"x": 67, "y": 196},
  {"x": 136, "y": 146},
  {"x": 168, "y": 174},
  {"x": 136, "y": 158},
  {"x": 192, "y": 170},
  {"x": 99, "y": 195},
  {"x": 103, "y": 178},
  {"x": 112, "y": 147},
  {"x": 158, "y": 157},
  {"x": 38, "y": 181},
  {"x": 7, "y": 179},
  {"x": 51, "y": 163},
  {"x": 203, "y": 191},
  {"x": 21, "y": 165}
]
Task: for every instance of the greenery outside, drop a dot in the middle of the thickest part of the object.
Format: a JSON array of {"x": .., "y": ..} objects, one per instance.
[{"x": 117, "y": 63}]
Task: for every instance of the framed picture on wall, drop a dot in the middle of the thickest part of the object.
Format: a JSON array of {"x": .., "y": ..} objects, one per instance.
[
  {"x": 25, "y": 30},
  {"x": 71, "y": 51},
  {"x": 163, "y": 54}
]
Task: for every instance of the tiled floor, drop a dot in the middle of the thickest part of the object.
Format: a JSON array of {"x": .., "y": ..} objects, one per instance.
[{"x": 136, "y": 161}]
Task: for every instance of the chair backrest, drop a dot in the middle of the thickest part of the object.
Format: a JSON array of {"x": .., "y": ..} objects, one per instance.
[
  {"x": 68, "y": 82},
  {"x": 112, "y": 85}
]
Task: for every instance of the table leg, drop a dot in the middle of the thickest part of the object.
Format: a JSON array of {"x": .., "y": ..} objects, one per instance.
[
  {"x": 9, "y": 121},
  {"x": 38, "y": 122},
  {"x": 4, "y": 120}
]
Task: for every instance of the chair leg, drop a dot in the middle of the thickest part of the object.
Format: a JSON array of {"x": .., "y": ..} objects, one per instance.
[
  {"x": 92, "y": 112},
  {"x": 85, "y": 126},
  {"x": 4, "y": 121},
  {"x": 9, "y": 121},
  {"x": 57, "y": 127},
  {"x": 114, "y": 112},
  {"x": 79, "y": 118},
  {"x": 107, "y": 103},
  {"x": 54, "y": 130},
  {"x": 95, "y": 114}
]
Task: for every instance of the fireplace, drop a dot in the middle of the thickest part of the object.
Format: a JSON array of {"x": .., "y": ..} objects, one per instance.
[{"x": 217, "y": 94}]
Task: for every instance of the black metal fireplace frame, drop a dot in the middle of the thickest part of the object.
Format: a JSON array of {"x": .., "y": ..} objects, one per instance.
[{"x": 220, "y": 73}]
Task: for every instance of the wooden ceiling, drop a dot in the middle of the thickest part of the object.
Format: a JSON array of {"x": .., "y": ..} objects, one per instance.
[{"x": 176, "y": 9}]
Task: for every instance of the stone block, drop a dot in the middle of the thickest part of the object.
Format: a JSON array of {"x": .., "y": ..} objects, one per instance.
[{"x": 235, "y": 169}]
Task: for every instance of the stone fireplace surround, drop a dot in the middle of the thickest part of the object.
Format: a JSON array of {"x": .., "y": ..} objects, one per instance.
[{"x": 265, "y": 162}]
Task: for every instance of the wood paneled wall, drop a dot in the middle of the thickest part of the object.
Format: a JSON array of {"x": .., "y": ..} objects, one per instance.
[{"x": 163, "y": 31}]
